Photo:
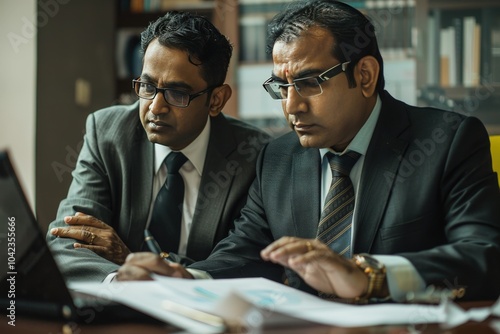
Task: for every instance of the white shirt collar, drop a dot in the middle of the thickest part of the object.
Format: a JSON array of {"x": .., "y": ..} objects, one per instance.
[
  {"x": 362, "y": 139},
  {"x": 195, "y": 152}
]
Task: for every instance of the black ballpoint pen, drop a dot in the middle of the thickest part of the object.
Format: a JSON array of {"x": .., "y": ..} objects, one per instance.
[{"x": 153, "y": 245}]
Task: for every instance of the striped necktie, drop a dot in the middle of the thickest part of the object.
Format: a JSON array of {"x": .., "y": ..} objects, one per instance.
[{"x": 335, "y": 224}]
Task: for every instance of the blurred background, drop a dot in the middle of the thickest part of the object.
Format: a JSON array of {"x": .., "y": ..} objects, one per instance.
[{"x": 63, "y": 59}]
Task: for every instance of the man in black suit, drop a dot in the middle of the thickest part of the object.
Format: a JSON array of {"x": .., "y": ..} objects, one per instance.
[
  {"x": 120, "y": 168},
  {"x": 425, "y": 208}
]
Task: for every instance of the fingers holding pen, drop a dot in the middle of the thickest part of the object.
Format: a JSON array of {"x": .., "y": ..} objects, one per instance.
[{"x": 140, "y": 266}]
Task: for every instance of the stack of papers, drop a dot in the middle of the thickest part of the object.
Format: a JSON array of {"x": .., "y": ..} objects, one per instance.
[{"x": 214, "y": 306}]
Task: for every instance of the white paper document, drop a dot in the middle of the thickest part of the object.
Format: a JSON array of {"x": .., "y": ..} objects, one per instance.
[{"x": 209, "y": 306}]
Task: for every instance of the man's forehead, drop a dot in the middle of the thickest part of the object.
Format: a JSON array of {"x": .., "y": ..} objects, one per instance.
[
  {"x": 308, "y": 51},
  {"x": 314, "y": 37}
]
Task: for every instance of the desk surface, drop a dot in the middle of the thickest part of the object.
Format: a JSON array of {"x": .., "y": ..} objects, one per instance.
[{"x": 33, "y": 325}]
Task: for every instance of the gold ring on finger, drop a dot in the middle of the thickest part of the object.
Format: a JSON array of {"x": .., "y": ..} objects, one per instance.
[
  {"x": 92, "y": 238},
  {"x": 309, "y": 246}
]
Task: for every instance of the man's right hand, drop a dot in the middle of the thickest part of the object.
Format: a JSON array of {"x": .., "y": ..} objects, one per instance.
[{"x": 140, "y": 266}]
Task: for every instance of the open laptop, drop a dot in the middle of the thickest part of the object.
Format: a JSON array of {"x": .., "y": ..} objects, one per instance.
[{"x": 30, "y": 281}]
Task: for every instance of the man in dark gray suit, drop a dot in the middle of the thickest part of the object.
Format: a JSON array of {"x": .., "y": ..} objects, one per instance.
[
  {"x": 419, "y": 207},
  {"x": 120, "y": 167}
]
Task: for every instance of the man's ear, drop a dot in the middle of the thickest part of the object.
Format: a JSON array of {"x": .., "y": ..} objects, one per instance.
[
  {"x": 368, "y": 71},
  {"x": 219, "y": 97}
]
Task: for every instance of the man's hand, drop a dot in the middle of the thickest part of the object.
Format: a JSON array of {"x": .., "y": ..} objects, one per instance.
[
  {"x": 140, "y": 266},
  {"x": 96, "y": 235},
  {"x": 318, "y": 266}
]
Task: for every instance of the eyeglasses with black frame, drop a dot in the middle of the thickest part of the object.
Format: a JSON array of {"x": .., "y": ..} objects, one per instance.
[
  {"x": 176, "y": 98},
  {"x": 306, "y": 87}
]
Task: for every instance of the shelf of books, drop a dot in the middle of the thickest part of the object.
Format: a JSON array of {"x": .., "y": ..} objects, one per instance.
[{"x": 462, "y": 58}]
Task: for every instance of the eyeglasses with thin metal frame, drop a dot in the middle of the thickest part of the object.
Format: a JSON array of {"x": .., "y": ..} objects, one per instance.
[
  {"x": 306, "y": 87},
  {"x": 176, "y": 98}
]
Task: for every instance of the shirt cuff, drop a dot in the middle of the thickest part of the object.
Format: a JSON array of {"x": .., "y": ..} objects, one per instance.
[
  {"x": 109, "y": 278},
  {"x": 402, "y": 277},
  {"x": 199, "y": 274}
]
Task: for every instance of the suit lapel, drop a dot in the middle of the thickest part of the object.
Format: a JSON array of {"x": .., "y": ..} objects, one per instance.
[
  {"x": 305, "y": 193},
  {"x": 382, "y": 161},
  {"x": 141, "y": 186},
  {"x": 209, "y": 208}
]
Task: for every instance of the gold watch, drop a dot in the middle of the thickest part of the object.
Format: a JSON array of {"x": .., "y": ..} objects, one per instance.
[{"x": 375, "y": 270}]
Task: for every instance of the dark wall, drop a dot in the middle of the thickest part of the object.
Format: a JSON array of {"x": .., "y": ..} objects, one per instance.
[{"x": 75, "y": 41}]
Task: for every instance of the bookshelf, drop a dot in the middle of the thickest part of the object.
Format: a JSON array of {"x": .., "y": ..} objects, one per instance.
[{"x": 459, "y": 57}]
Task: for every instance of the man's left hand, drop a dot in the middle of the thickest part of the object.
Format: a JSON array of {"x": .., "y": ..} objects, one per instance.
[
  {"x": 318, "y": 265},
  {"x": 95, "y": 235}
]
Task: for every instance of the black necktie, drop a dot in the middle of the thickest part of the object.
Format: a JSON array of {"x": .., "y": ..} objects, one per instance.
[
  {"x": 166, "y": 218},
  {"x": 336, "y": 218}
]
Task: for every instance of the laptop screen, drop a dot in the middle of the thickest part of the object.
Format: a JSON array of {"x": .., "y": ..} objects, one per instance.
[{"x": 29, "y": 276}]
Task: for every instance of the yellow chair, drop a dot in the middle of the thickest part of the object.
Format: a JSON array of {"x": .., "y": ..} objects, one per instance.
[{"x": 495, "y": 154}]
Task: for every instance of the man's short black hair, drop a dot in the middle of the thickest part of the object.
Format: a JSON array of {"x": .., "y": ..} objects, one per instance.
[{"x": 196, "y": 35}]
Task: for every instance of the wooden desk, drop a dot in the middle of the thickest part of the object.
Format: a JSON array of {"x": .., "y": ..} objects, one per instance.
[{"x": 32, "y": 325}]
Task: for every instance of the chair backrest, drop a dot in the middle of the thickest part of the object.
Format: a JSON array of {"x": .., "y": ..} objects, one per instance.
[{"x": 495, "y": 154}]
